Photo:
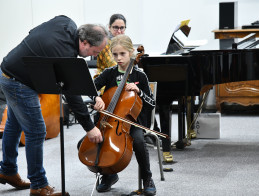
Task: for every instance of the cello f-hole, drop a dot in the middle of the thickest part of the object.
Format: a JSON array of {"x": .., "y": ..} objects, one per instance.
[{"x": 117, "y": 128}]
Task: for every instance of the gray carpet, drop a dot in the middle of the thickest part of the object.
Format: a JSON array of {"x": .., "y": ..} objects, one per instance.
[{"x": 225, "y": 166}]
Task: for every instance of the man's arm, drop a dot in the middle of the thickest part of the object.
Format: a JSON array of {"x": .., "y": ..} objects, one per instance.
[{"x": 80, "y": 110}]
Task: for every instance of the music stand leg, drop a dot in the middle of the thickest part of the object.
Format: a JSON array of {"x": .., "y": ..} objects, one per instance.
[{"x": 62, "y": 154}]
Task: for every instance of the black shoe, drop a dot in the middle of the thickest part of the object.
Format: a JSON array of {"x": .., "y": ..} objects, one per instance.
[
  {"x": 106, "y": 182},
  {"x": 149, "y": 187}
]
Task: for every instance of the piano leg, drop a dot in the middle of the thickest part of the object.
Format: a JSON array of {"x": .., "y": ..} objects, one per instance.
[
  {"x": 189, "y": 116},
  {"x": 165, "y": 124},
  {"x": 180, "y": 144}
]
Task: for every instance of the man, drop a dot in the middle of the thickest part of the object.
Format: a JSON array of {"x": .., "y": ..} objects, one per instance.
[{"x": 58, "y": 37}]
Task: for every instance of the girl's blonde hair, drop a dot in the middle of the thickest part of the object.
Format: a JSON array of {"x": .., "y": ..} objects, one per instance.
[{"x": 124, "y": 41}]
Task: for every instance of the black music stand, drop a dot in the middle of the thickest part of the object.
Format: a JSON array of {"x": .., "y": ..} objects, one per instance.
[{"x": 60, "y": 76}]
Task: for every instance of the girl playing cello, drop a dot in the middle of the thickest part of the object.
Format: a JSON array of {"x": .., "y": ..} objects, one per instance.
[{"x": 122, "y": 50}]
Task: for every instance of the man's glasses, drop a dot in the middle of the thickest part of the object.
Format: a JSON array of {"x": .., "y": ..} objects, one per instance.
[{"x": 116, "y": 28}]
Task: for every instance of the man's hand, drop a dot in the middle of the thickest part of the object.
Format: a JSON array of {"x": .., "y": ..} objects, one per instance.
[{"x": 95, "y": 135}]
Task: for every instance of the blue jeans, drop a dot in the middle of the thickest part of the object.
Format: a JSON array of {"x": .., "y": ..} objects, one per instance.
[{"x": 23, "y": 114}]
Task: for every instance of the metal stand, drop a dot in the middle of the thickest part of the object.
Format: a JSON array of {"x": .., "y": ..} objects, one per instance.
[{"x": 64, "y": 75}]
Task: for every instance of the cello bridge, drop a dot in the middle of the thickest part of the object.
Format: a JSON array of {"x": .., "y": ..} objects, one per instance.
[{"x": 104, "y": 124}]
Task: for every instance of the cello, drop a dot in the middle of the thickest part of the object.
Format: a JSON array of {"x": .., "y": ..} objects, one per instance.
[
  {"x": 115, "y": 152},
  {"x": 50, "y": 111}
]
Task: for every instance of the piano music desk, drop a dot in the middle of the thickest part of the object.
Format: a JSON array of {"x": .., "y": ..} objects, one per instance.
[{"x": 243, "y": 93}]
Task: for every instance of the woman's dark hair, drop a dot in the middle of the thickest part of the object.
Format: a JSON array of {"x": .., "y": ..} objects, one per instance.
[{"x": 116, "y": 17}]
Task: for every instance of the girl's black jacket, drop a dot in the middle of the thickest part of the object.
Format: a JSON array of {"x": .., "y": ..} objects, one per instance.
[{"x": 111, "y": 77}]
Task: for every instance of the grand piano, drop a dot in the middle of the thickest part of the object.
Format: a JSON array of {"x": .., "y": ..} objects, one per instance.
[{"x": 188, "y": 72}]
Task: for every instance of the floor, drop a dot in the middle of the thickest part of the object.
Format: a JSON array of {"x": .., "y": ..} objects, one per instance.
[{"x": 225, "y": 166}]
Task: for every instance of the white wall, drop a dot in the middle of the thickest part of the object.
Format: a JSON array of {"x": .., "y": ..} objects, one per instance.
[
  {"x": 14, "y": 23},
  {"x": 17, "y": 17},
  {"x": 132, "y": 10},
  {"x": 204, "y": 15},
  {"x": 150, "y": 22}
]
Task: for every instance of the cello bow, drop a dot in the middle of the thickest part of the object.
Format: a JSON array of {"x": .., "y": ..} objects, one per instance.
[{"x": 131, "y": 123}]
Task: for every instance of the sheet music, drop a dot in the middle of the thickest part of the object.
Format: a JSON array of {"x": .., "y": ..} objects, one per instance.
[
  {"x": 183, "y": 23},
  {"x": 189, "y": 43}
]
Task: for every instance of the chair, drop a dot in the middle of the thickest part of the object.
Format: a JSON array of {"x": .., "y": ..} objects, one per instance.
[{"x": 153, "y": 87}]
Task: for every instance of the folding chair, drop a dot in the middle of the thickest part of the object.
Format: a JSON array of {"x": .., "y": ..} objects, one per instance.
[{"x": 153, "y": 87}]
